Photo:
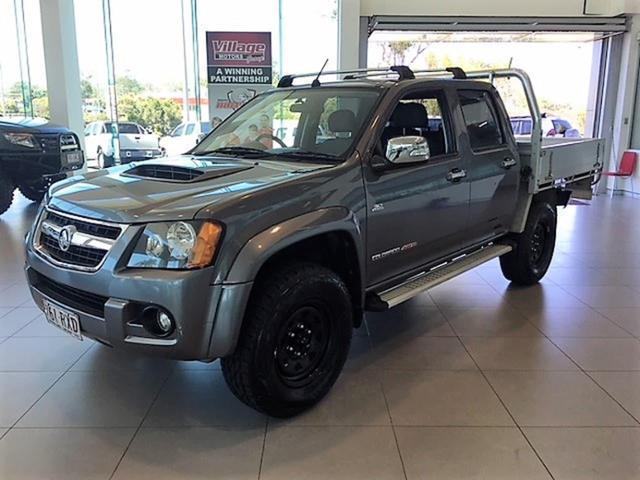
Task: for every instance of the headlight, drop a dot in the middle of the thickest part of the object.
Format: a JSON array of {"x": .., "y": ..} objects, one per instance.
[
  {"x": 179, "y": 245},
  {"x": 22, "y": 139}
]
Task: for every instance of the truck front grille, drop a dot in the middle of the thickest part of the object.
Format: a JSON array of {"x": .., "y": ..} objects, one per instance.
[
  {"x": 49, "y": 142},
  {"x": 95, "y": 229},
  {"x": 68, "y": 142},
  {"x": 74, "y": 242},
  {"x": 83, "y": 257}
]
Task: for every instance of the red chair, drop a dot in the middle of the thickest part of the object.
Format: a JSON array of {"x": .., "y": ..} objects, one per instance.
[{"x": 626, "y": 168}]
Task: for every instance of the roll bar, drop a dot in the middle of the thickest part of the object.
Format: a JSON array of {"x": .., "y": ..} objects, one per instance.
[{"x": 532, "y": 102}]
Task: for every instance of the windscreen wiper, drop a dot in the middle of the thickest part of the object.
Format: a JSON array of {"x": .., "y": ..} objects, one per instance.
[
  {"x": 236, "y": 151},
  {"x": 309, "y": 156}
]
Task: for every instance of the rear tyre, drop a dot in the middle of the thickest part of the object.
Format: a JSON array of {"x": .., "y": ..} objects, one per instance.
[
  {"x": 529, "y": 261},
  {"x": 294, "y": 341},
  {"x": 6, "y": 192},
  {"x": 33, "y": 191},
  {"x": 104, "y": 161}
]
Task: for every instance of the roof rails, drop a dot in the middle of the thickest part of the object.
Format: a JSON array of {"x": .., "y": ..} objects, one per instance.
[{"x": 402, "y": 71}]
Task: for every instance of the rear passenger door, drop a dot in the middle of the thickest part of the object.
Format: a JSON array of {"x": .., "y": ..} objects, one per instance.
[{"x": 494, "y": 170}]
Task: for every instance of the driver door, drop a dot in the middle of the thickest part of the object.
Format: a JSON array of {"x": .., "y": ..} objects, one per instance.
[{"x": 417, "y": 212}]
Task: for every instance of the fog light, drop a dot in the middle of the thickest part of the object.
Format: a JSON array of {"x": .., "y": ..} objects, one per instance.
[
  {"x": 157, "y": 322},
  {"x": 165, "y": 324}
]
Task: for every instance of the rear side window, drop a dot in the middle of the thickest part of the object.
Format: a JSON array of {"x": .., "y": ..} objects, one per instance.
[{"x": 481, "y": 119}]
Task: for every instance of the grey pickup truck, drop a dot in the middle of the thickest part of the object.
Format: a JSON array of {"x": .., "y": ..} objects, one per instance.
[{"x": 266, "y": 254}]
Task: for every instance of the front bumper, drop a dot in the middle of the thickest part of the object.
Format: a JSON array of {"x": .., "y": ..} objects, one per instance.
[
  {"x": 136, "y": 155},
  {"x": 109, "y": 303}
]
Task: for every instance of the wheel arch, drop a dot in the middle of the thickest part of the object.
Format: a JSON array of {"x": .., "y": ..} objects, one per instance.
[{"x": 328, "y": 237}]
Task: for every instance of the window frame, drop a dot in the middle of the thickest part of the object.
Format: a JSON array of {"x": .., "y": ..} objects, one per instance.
[
  {"x": 494, "y": 111},
  {"x": 443, "y": 92}
]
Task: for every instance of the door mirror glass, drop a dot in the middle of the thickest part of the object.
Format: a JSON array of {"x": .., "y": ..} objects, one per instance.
[{"x": 409, "y": 149}]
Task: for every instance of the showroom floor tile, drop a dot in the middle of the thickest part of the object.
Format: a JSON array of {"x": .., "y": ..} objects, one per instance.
[
  {"x": 588, "y": 453},
  {"x": 186, "y": 453},
  {"x": 456, "y": 453},
  {"x": 348, "y": 453},
  {"x": 475, "y": 379}
]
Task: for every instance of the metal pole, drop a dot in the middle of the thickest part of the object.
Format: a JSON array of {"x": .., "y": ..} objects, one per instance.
[
  {"x": 196, "y": 57},
  {"x": 185, "y": 86},
  {"x": 2, "y": 97},
  {"x": 280, "y": 41},
  {"x": 23, "y": 58},
  {"x": 111, "y": 79}
]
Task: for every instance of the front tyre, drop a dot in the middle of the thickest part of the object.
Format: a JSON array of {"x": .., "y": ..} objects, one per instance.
[
  {"x": 529, "y": 261},
  {"x": 33, "y": 191},
  {"x": 6, "y": 192},
  {"x": 294, "y": 340}
]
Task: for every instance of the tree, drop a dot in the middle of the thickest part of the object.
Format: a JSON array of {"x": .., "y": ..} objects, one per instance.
[
  {"x": 88, "y": 89},
  {"x": 396, "y": 52},
  {"x": 160, "y": 115},
  {"x": 127, "y": 85}
]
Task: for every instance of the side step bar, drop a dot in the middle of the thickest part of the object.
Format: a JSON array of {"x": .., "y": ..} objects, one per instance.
[{"x": 424, "y": 281}]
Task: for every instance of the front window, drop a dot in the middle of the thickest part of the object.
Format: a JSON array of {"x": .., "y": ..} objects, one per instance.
[
  {"x": 324, "y": 122},
  {"x": 125, "y": 128}
]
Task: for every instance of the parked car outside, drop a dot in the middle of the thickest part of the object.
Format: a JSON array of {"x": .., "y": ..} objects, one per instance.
[
  {"x": 184, "y": 137},
  {"x": 551, "y": 127},
  {"x": 136, "y": 143},
  {"x": 33, "y": 154}
]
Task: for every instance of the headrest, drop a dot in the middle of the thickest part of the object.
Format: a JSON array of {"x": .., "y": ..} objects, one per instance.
[
  {"x": 342, "y": 121},
  {"x": 409, "y": 115}
]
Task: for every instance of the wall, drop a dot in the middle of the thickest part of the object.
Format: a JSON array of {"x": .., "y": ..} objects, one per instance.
[{"x": 521, "y": 8}]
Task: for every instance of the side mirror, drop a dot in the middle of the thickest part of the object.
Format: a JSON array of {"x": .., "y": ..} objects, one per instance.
[{"x": 406, "y": 150}]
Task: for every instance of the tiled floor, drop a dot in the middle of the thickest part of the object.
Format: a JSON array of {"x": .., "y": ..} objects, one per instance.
[{"x": 476, "y": 379}]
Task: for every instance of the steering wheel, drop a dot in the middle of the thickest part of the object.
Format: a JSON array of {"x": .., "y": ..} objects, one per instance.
[{"x": 272, "y": 137}]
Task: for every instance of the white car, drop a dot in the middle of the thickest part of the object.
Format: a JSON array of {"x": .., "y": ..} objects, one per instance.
[
  {"x": 184, "y": 137},
  {"x": 551, "y": 127},
  {"x": 136, "y": 143}
]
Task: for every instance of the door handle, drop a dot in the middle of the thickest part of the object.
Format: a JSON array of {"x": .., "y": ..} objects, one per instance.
[
  {"x": 456, "y": 175},
  {"x": 507, "y": 163}
]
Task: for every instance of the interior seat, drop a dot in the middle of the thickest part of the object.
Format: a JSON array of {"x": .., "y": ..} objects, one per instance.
[
  {"x": 412, "y": 119},
  {"x": 343, "y": 124}
]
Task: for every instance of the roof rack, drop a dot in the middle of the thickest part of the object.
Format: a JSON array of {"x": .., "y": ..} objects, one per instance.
[{"x": 402, "y": 71}]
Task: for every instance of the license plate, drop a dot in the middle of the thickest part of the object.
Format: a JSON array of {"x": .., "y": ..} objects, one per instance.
[
  {"x": 61, "y": 318},
  {"x": 73, "y": 158}
]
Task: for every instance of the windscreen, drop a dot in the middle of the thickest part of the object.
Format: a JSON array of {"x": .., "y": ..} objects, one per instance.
[{"x": 324, "y": 121}]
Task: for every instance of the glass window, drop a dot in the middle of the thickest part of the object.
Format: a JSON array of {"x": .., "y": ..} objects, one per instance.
[
  {"x": 521, "y": 126},
  {"x": 92, "y": 61},
  {"x": 130, "y": 128},
  {"x": 242, "y": 16},
  {"x": 298, "y": 116},
  {"x": 421, "y": 114},
  {"x": 480, "y": 118},
  {"x": 147, "y": 93},
  {"x": 178, "y": 131},
  {"x": 190, "y": 127},
  {"x": 308, "y": 56},
  {"x": 205, "y": 127}
]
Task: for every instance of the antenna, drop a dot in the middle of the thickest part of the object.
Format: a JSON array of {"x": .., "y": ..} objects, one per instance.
[{"x": 316, "y": 82}]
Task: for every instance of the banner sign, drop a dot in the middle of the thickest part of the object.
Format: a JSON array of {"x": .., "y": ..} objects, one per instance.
[
  {"x": 238, "y": 67},
  {"x": 239, "y": 57}
]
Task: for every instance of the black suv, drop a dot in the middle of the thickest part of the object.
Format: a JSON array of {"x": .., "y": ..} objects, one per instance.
[{"x": 33, "y": 155}]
